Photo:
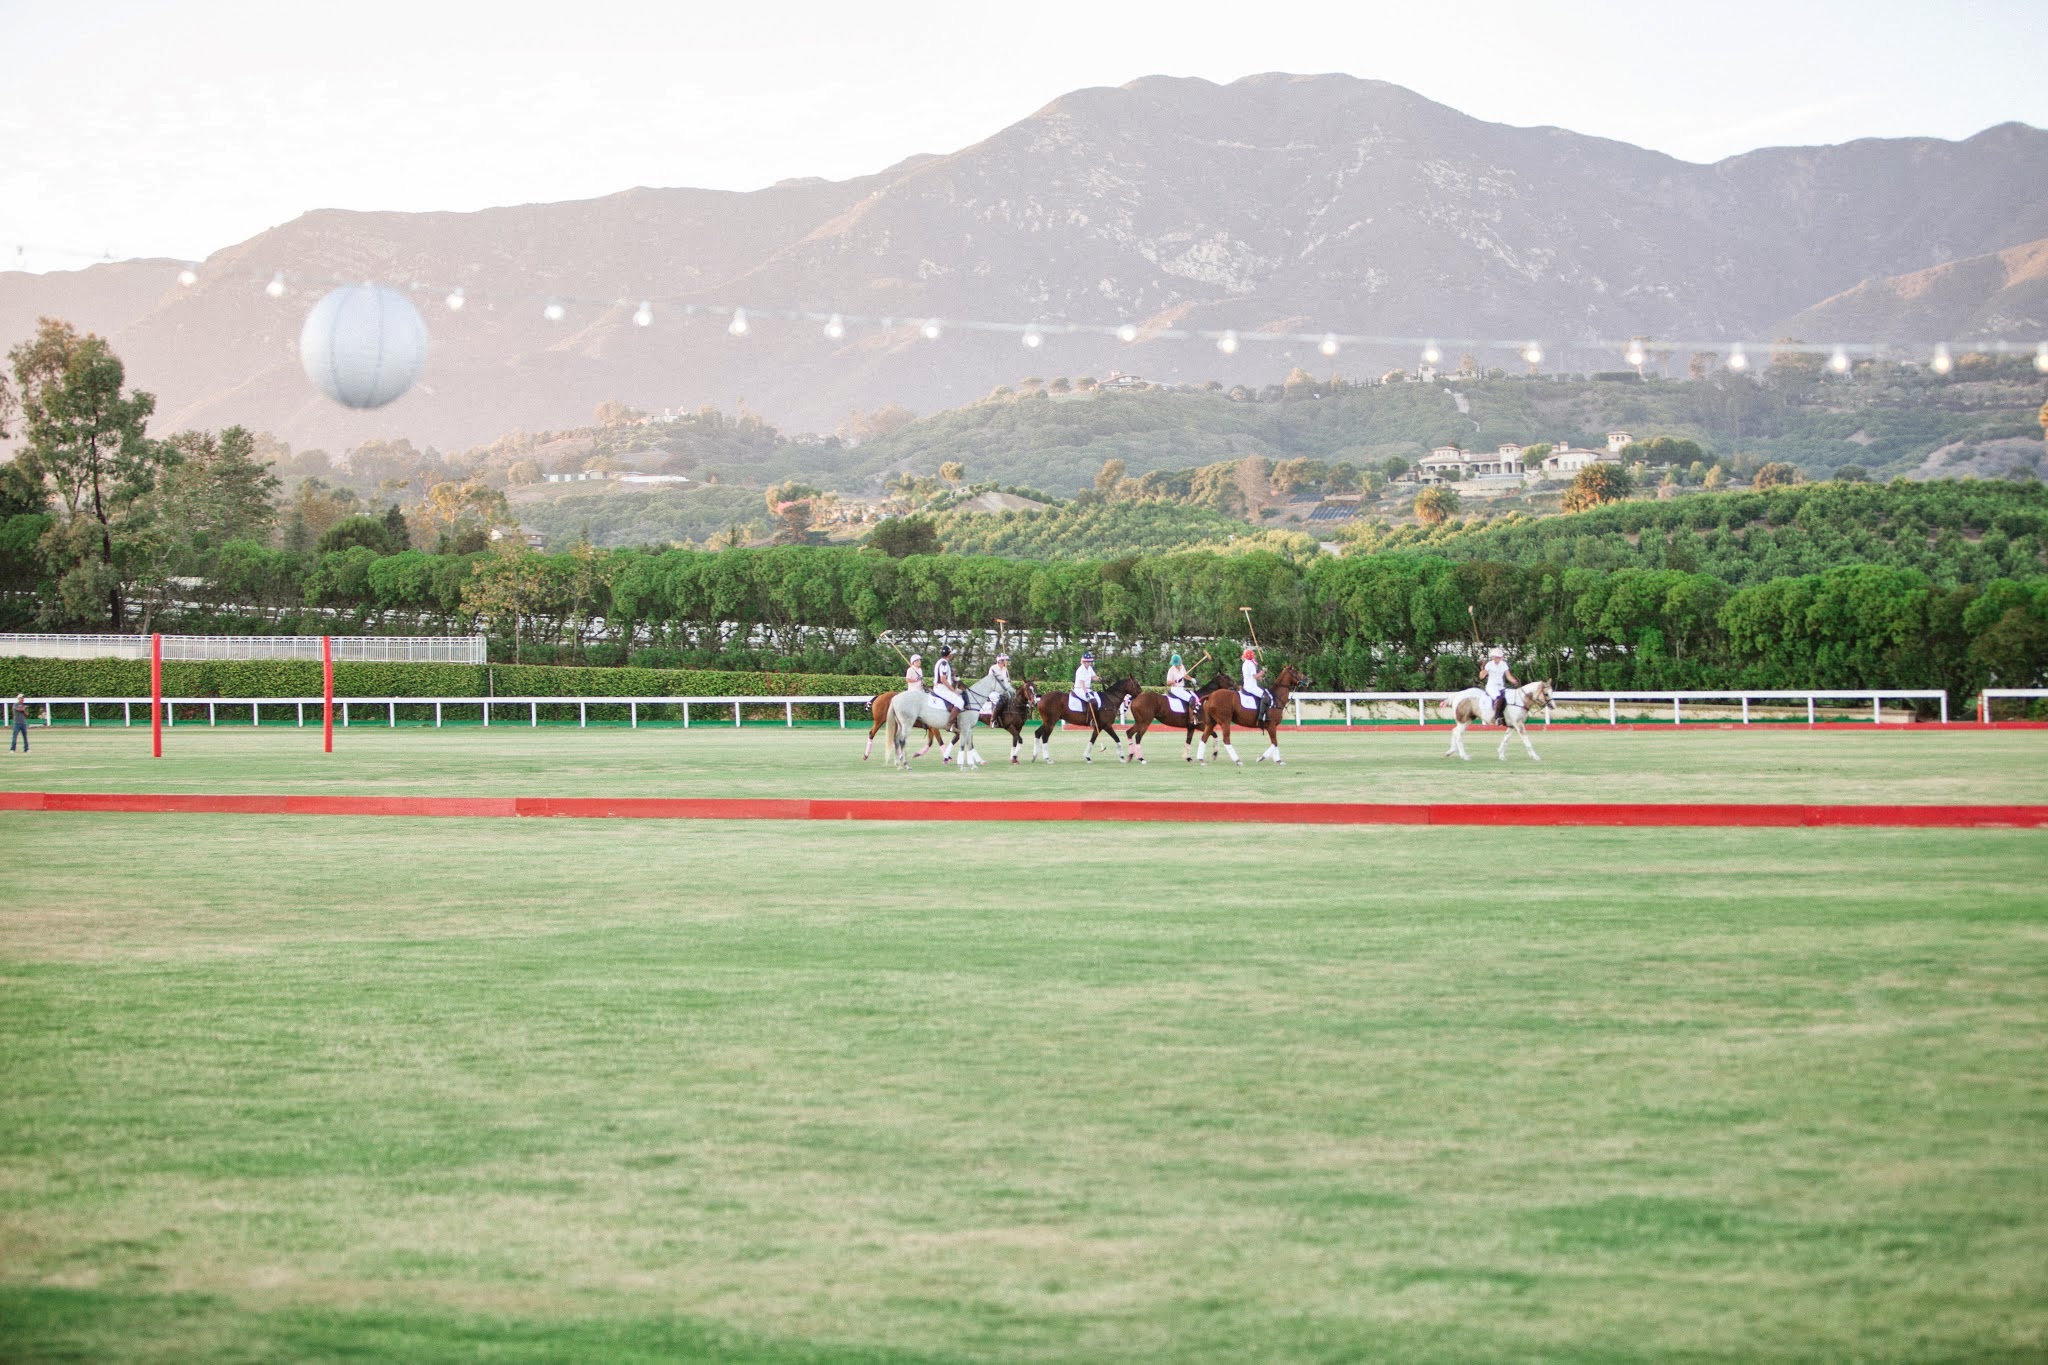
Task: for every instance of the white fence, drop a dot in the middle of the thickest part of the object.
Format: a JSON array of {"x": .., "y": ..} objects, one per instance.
[
  {"x": 349, "y": 649},
  {"x": 1423, "y": 701},
  {"x": 694, "y": 709}
]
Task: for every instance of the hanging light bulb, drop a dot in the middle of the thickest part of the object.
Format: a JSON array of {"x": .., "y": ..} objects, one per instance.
[
  {"x": 553, "y": 312},
  {"x": 276, "y": 286},
  {"x": 1430, "y": 354},
  {"x": 1839, "y": 361},
  {"x": 835, "y": 327},
  {"x": 738, "y": 325},
  {"x": 1533, "y": 353},
  {"x": 1329, "y": 346},
  {"x": 1227, "y": 343},
  {"x": 643, "y": 316},
  {"x": 188, "y": 277},
  {"x": 1033, "y": 338},
  {"x": 2041, "y": 357},
  {"x": 1943, "y": 361},
  {"x": 455, "y": 300},
  {"x": 931, "y": 329},
  {"x": 1737, "y": 360},
  {"x": 1127, "y": 332},
  {"x": 1636, "y": 355}
]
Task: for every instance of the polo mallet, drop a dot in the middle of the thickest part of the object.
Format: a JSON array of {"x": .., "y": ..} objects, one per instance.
[
  {"x": 1252, "y": 629},
  {"x": 1474, "y": 617},
  {"x": 898, "y": 648}
]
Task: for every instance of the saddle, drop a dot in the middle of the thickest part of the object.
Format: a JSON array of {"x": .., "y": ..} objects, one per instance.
[
  {"x": 1078, "y": 704},
  {"x": 1247, "y": 701}
]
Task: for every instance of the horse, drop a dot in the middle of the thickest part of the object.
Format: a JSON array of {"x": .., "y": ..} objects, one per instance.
[
  {"x": 912, "y": 709},
  {"x": 1053, "y": 708},
  {"x": 1220, "y": 711},
  {"x": 1155, "y": 708},
  {"x": 1012, "y": 712},
  {"x": 1474, "y": 707},
  {"x": 878, "y": 713}
]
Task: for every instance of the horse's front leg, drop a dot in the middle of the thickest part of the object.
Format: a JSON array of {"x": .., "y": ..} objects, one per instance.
[{"x": 1523, "y": 731}]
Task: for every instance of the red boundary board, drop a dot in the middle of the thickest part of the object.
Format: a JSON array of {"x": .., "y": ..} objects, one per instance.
[{"x": 1723, "y": 815}]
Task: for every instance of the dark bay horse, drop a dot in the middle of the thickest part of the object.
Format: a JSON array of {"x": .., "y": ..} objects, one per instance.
[
  {"x": 1014, "y": 712},
  {"x": 1053, "y": 708},
  {"x": 1221, "y": 710},
  {"x": 1152, "y": 708}
]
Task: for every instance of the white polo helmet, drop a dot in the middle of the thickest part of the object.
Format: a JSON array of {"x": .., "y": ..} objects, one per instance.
[{"x": 1496, "y": 653}]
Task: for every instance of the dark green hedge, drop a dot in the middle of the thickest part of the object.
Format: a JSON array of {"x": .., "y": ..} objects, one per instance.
[{"x": 291, "y": 678}]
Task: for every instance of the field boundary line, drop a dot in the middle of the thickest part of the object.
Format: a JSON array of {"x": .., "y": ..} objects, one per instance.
[{"x": 1525, "y": 815}]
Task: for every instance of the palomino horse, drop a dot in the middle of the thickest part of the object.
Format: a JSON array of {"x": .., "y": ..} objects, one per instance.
[
  {"x": 1474, "y": 707},
  {"x": 1155, "y": 708},
  {"x": 1221, "y": 710},
  {"x": 1053, "y": 708}
]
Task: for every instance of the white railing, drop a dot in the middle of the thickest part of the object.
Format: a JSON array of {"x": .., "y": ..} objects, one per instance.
[
  {"x": 349, "y": 649},
  {"x": 1985, "y": 698},
  {"x": 1422, "y": 701},
  {"x": 346, "y": 709}
]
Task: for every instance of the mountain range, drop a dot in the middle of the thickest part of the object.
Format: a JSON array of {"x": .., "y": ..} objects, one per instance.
[{"x": 1299, "y": 203}]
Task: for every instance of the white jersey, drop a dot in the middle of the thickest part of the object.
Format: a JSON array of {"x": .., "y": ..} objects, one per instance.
[
  {"x": 1176, "y": 676},
  {"x": 1251, "y": 677},
  {"x": 943, "y": 673},
  {"x": 1496, "y": 677},
  {"x": 913, "y": 679},
  {"x": 1084, "y": 679}
]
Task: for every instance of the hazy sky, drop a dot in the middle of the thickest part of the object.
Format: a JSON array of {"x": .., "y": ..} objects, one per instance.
[{"x": 142, "y": 128}]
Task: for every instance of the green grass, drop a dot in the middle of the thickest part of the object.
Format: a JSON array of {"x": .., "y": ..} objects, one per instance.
[
  {"x": 1390, "y": 764},
  {"x": 299, "y": 1088}
]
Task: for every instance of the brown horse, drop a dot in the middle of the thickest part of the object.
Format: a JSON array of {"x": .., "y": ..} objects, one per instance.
[
  {"x": 1152, "y": 708},
  {"x": 1220, "y": 711},
  {"x": 1053, "y": 708},
  {"x": 878, "y": 712},
  {"x": 1014, "y": 712}
]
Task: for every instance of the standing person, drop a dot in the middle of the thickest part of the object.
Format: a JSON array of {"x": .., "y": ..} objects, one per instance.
[
  {"x": 1496, "y": 678},
  {"x": 1084, "y": 679},
  {"x": 20, "y": 727},
  {"x": 1179, "y": 683},
  {"x": 1254, "y": 674},
  {"x": 913, "y": 676}
]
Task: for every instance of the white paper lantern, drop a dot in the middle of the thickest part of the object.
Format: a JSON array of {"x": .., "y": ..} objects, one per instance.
[{"x": 363, "y": 345}]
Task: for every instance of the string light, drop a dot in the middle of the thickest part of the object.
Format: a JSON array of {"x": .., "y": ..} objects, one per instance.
[{"x": 1839, "y": 356}]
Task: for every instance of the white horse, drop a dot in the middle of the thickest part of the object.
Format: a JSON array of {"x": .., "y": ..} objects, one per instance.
[
  {"x": 910, "y": 709},
  {"x": 1474, "y": 707}
]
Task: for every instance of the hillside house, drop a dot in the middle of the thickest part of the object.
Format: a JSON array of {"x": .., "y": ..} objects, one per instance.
[
  {"x": 1564, "y": 459},
  {"x": 1448, "y": 464}
]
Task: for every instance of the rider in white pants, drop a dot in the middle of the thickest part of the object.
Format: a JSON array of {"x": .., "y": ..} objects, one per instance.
[
  {"x": 1252, "y": 674},
  {"x": 1179, "y": 684},
  {"x": 1496, "y": 678},
  {"x": 1084, "y": 679}
]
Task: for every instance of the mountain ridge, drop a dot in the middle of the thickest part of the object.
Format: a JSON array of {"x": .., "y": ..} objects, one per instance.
[{"x": 1322, "y": 202}]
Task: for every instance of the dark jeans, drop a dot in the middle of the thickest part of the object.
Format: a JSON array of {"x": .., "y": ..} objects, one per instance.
[{"x": 19, "y": 732}]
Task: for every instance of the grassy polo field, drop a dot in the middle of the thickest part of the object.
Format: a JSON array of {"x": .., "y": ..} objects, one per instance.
[{"x": 312, "y": 1088}]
